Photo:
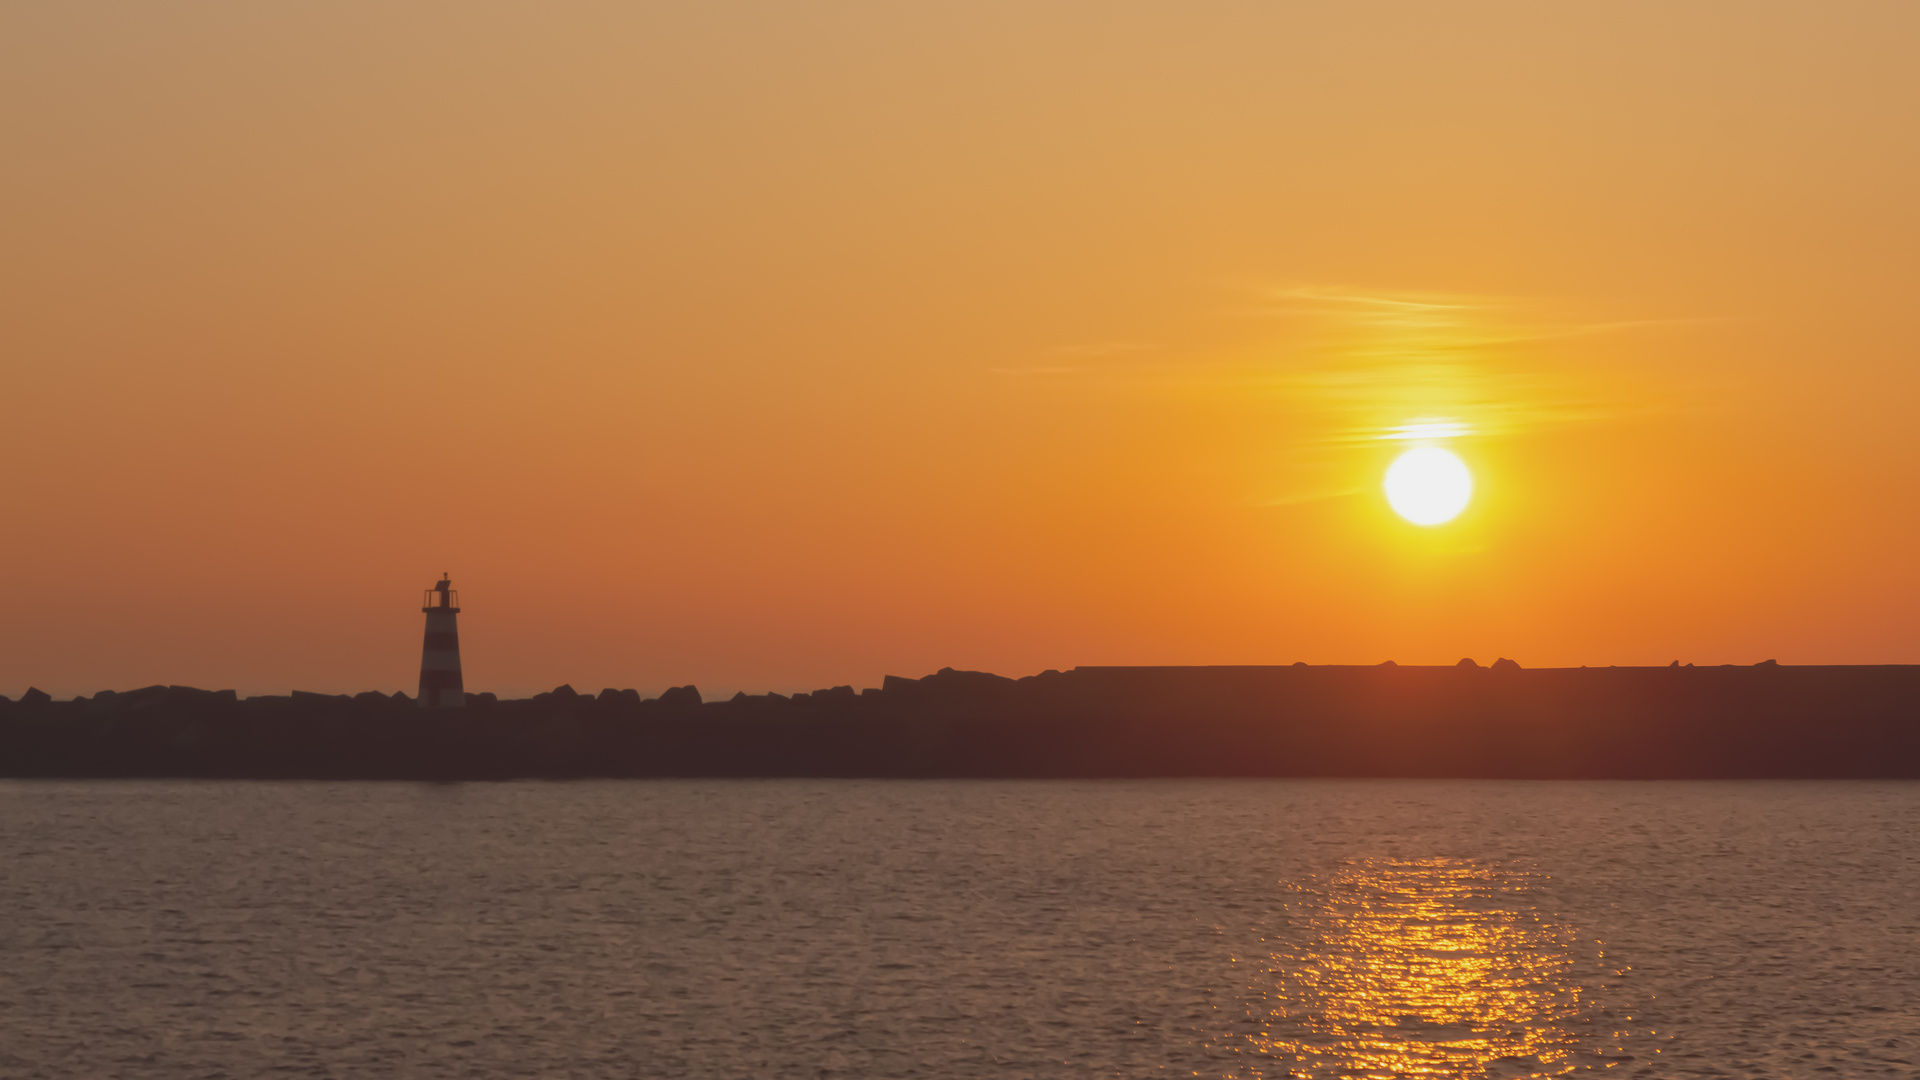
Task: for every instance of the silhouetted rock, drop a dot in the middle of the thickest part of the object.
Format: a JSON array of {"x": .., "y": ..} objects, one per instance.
[
  {"x": 680, "y": 698},
  {"x": 1768, "y": 663},
  {"x": 35, "y": 696},
  {"x": 1387, "y": 663},
  {"x": 564, "y": 692},
  {"x": 1385, "y": 720},
  {"x": 142, "y": 698},
  {"x": 302, "y": 697},
  {"x": 1466, "y": 661}
]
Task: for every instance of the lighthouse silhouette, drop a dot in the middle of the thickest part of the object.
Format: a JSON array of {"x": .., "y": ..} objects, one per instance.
[{"x": 440, "y": 686}]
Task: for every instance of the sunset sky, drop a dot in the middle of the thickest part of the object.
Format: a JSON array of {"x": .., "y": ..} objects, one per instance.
[{"x": 773, "y": 346}]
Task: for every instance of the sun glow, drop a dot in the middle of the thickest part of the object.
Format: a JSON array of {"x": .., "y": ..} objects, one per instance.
[{"x": 1428, "y": 485}]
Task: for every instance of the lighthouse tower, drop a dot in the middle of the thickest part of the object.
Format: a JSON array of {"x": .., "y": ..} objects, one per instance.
[{"x": 440, "y": 686}]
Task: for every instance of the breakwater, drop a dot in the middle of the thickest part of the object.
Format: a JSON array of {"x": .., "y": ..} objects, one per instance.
[{"x": 1766, "y": 721}]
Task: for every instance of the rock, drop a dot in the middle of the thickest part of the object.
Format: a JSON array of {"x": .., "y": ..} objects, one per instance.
[
  {"x": 681, "y": 697},
  {"x": 302, "y": 697},
  {"x": 142, "y": 698},
  {"x": 949, "y": 682},
  {"x": 1466, "y": 661},
  {"x": 35, "y": 696},
  {"x": 564, "y": 692},
  {"x": 1768, "y": 663},
  {"x": 1504, "y": 664},
  {"x": 1386, "y": 663}
]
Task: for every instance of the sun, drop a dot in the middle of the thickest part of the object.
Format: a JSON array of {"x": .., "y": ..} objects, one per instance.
[{"x": 1428, "y": 486}]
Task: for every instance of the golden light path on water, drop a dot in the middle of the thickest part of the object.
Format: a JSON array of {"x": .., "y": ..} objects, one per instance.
[{"x": 1430, "y": 968}]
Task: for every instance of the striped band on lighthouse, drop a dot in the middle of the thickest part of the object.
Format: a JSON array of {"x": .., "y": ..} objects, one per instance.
[{"x": 440, "y": 685}]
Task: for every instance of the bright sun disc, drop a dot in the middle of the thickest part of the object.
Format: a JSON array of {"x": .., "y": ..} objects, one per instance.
[{"x": 1428, "y": 486}]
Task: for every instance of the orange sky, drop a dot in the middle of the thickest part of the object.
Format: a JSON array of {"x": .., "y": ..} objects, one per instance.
[{"x": 775, "y": 346}]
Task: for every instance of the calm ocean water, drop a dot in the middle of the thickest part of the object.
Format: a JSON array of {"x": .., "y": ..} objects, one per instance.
[{"x": 965, "y": 929}]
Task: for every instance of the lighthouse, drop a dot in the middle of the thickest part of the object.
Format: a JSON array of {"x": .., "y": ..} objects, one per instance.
[{"x": 440, "y": 686}]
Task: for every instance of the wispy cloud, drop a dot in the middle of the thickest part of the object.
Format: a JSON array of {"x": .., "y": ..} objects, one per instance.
[
  {"x": 1368, "y": 366},
  {"x": 1321, "y": 380},
  {"x": 1301, "y": 496},
  {"x": 1104, "y": 348},
  {"x": 1349, "y": 374},
  {"x": 1059, "y": 360}
]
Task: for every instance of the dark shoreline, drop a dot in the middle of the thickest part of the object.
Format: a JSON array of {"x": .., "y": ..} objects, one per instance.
[{"x": 1763, "y": 722}]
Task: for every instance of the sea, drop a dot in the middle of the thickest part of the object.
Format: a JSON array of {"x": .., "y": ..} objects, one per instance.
[{"x": 811, "y": 929}]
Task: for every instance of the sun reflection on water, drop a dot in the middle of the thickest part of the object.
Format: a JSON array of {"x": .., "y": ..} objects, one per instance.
[{"x": 1428, "y": 968}]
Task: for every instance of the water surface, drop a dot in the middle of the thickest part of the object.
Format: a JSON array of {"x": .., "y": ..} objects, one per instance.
[{"x": 959, "y": 929}]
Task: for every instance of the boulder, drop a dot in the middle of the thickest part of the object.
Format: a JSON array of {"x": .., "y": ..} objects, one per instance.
[
  {"x": 35, "y": 696},
  {"x": 681, "y": 697},
  {"x": 1504, "y": 664},
  {"x": 303, "y": 697}
]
